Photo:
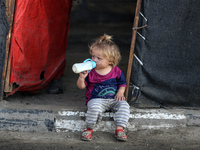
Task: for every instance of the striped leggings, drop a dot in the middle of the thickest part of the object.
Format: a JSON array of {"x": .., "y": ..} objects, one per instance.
[{"x": 98, "y": 105}]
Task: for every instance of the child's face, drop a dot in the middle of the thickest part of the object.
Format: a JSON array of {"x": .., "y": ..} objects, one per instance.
[{"x": 101, "y": 61}]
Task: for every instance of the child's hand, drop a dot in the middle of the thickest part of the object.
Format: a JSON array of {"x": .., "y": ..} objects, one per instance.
[
  {"x": 81, "y": 80},
  {"x": 120, "y": 94},
  {"x": 119, "y": 97},
  {"x": 83, "y": 75}
]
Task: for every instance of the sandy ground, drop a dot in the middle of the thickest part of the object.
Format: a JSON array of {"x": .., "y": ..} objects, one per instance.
[{"x": 168, "y": 139}]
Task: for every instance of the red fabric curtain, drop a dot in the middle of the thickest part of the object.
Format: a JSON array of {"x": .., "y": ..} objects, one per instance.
[{"x": 38, "y": 42}]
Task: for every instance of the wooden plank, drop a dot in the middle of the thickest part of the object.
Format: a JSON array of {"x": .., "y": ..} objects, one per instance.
[
  {"x": 6, "y": 87},
  {"x": 135, "y": 25}
]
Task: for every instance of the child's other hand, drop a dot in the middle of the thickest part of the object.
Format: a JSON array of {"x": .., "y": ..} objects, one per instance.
[
  {"x": 119, "y": 97},
  {"x": 120, "y": 94}
]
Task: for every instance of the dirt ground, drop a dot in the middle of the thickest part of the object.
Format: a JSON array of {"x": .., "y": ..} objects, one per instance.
[{"x": 168, "y": 139}]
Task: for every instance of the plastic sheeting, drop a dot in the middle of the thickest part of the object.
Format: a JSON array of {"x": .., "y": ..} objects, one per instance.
[
  {"x": 166, "y": 66},
  {"x": 38, "y": 42}
]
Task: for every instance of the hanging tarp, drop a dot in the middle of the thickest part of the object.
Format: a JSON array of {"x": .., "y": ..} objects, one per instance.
[
  {"x": 166, "y": 66},
  {"x": 38, "y": 42}
]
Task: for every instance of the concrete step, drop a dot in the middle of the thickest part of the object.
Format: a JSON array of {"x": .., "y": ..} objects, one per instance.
[{"x": 74, "y": 120}]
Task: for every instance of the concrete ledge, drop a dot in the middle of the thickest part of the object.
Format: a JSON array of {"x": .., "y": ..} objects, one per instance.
[
  {"x": 193, "y": 117},
  {"x": 74, "y": 120},
  {"x": 26, "y": 120},
  {"x": 139, "y": 119}
]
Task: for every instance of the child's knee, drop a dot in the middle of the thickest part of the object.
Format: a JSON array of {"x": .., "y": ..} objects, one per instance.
[
  {"x": 95, "y": 107},
  {"x": 125, "y": 104}
]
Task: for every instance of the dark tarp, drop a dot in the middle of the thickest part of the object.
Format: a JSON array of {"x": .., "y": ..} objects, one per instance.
[
  {"x": 38, "y": 42},
  {"x": 4, "y": 28},
  {"x": 169, "y": 50}
]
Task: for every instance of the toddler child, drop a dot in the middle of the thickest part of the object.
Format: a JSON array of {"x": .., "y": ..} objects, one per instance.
[{"x": 105, "y": 87}]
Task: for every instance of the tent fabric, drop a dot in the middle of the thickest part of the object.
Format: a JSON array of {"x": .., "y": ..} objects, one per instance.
[
  {"x": 166, "y": 66},
  {"x": 38, "y": 42}
]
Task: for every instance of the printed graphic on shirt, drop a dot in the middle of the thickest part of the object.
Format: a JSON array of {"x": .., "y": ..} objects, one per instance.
[
  {"x": 104, "y": 91},
  {"x": 107, "y": 92}
]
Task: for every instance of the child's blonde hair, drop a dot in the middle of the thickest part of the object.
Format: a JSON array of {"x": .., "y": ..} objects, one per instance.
[{"x": 108, "y": 47}]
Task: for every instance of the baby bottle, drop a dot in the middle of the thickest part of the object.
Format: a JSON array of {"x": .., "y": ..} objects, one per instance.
[{"x": 87, "y": 64}]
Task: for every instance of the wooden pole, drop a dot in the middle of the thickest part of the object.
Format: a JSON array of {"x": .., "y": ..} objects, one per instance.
[
  {"x": 6, "y": 87},
  {"x": 135, "y": 25}
]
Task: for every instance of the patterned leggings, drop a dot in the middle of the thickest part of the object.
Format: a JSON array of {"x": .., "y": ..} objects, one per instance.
[{"x": 98, "y": 105}]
